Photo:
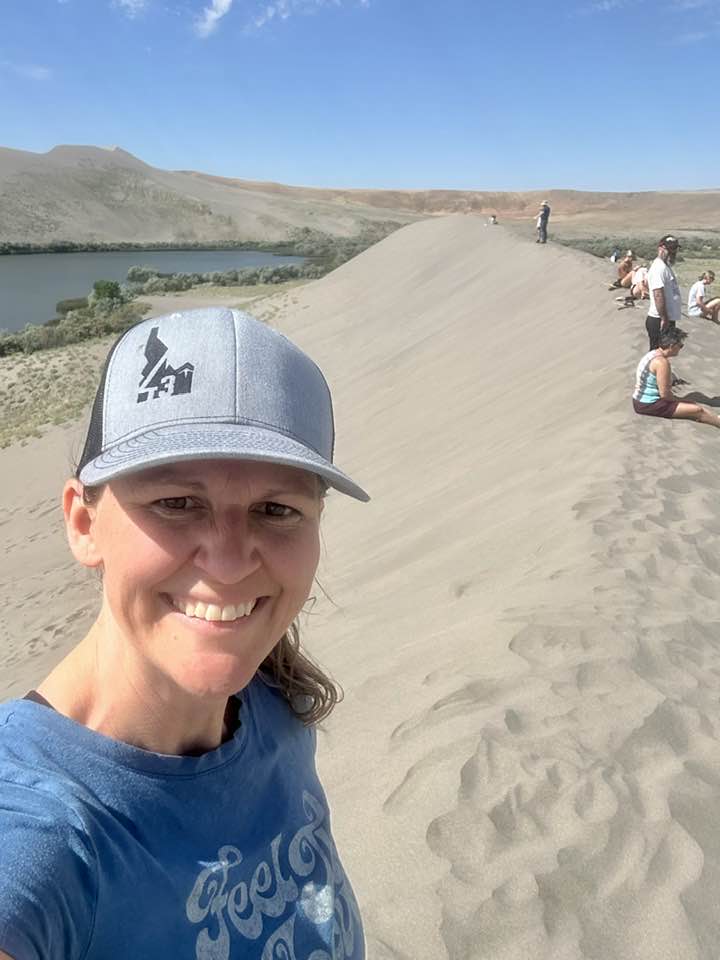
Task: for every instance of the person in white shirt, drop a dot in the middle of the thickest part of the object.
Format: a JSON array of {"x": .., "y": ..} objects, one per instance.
[
  {"x": 699, "y": 303},
  {"x": 665, "y": 302}
]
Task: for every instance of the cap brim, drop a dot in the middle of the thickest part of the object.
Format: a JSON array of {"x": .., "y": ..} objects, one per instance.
[{"x": 213, "y": 441}]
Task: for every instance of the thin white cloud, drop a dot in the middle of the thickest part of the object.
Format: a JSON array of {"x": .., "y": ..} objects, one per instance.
[
  {"x": 30, "y": 71},
  {"x": 283, "y": 9},
  {"x": 605, "y": 6},
  {"x": 208, "y": 20},
  {"x": 685, "y": 39},
  {"x": 131, "y": 8}
]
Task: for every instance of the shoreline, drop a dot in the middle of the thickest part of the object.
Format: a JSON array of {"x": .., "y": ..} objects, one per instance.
[{"x": 280, "y": 249}]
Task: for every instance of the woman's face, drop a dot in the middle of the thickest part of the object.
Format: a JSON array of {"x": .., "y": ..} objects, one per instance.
[{"x": 205, "y": 565}]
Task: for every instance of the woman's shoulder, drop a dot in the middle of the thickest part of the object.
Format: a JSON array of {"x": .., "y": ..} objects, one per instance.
[
  {"x": 32, "y": 774},
  {"x": 658, "y": 362},
  {"x": 48, "y": 865}
]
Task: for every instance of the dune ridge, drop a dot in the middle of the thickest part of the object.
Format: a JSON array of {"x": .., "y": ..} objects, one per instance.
[{"x": 524, "y": 618}]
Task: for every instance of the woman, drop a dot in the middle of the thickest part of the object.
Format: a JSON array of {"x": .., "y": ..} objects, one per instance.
[
  {"x": 653, "y": 396},
  {"x": 640, "y": 289},
  {"x": 158, "y": 793},
  {"x": 698, "y": 304},
  {"x": 625, "y": 268}
]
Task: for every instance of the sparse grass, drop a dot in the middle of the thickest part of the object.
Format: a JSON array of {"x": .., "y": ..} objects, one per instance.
[
  {"x": 51, "y": 387},
  {"x": 692, "y": 246},
  {"x": 54, "y": 386},
  {"x": 688, "y": 271},
  {"x": 235, "y": 296}
]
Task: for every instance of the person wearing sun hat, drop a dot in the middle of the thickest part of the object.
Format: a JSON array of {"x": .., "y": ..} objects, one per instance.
[
  {"x": 665, "y": 301},
  {"x": 542, "y": 222},
  {"x": 158, "y": 790}
]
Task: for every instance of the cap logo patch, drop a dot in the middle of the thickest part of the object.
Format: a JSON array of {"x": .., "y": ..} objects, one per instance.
[{"x": 158, "y": 378}]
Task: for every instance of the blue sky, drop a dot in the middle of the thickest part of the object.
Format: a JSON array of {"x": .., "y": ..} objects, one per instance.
[{"x": 469, "y": 94}]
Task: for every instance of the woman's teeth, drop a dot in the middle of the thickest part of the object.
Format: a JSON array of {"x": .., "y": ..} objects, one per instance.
[{"x": 212, "y": 611}]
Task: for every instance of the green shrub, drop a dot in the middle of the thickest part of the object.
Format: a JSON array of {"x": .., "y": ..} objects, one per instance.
[
  {"x": 75, "y": 303},
  {"x": 75, "y": 326},
  {"x": 106, "y": 290}
]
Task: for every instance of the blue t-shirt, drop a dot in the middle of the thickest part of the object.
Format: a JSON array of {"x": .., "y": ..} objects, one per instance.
[{"x": 110, "y": 851}]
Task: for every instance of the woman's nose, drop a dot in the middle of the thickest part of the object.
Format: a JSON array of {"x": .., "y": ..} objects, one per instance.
[{"x": 229, "y": 551}]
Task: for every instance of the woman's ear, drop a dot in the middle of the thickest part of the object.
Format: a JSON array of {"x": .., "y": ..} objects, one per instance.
[{"x": 80, "y": 524}]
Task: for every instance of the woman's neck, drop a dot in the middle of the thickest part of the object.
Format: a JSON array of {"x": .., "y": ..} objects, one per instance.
[{"x": 111, "y": 695}]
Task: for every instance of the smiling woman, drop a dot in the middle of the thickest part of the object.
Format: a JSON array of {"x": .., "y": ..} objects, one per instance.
[{"x": 159, "y": 795}]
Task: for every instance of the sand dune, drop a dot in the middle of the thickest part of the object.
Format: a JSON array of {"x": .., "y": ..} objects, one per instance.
[{"x": 524, "y": 618}]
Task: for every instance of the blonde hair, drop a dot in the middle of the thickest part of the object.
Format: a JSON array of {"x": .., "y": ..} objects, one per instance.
[{"x": 309, "y": 692}]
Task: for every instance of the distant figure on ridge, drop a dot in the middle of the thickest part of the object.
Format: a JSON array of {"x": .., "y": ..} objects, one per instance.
[
  {"x": 542, "y": 222},
  {"x": 665, "y": 303},
  {"x": 698, "y": 305},
  {"x": 653, "y": 396}
]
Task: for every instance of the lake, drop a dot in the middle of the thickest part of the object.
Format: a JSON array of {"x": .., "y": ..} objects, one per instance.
[{"x": 31, "y": 284}]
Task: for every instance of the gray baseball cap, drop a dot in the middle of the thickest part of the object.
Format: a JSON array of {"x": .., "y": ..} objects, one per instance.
[{"x": 210, "y": 384}]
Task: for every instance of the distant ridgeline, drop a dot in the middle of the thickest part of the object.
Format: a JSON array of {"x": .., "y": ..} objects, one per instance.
[
  {"x": 111, "y": 307},
  {"x": 692, "y": 247}
]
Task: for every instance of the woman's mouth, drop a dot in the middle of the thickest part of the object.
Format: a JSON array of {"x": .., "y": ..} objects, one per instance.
[{"x": 213, "y": 612}]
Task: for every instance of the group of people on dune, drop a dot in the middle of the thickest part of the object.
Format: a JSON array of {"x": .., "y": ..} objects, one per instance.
[{"x": 653, "y": 394}]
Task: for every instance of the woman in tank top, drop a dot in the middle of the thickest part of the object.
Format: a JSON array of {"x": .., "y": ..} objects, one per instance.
[{"x": 653, "y": 396}]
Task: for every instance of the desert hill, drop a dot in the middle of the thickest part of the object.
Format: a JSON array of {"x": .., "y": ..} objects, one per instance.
[
  {"x": 92, "y": 194},
  {"x": 524, "y": 618}
]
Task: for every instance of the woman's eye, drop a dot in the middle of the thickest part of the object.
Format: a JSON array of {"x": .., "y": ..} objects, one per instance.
[
  {"x": 176, "y": 503},
  {"x": 279, "y": 511}
]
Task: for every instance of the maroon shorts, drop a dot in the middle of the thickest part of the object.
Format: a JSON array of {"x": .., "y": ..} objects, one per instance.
[{"x": 660, "y": 408}]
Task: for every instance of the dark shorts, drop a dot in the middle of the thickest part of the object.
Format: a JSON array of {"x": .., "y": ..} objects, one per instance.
[
  {"x": 652, "y": 325},
  {"x": 660, "y": 408}
]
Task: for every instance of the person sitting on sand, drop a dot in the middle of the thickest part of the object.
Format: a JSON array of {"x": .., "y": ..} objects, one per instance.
[
  {"x": 698, "y": 304},
  {"x": 624, "y": 271},
  {"x": 653, "y": 396},
  {"x": 640, "y": 289},
  {"x": 158, "y": 791}
]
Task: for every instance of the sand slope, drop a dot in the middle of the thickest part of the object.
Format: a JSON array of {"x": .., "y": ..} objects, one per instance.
[{"x": 524, "y": 618}]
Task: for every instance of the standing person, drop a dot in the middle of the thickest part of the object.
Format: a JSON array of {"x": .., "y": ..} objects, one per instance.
[
  {"x": 158, "y": 792},
  {"x": 542, "y": 222},
  {"x": 698, "y": 303},
  {"x": 665, "y": 303},
  {"x": 653, "y": 396}
]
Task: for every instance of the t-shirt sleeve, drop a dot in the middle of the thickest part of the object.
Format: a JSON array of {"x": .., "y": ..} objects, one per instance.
[
  {"x": 655, "y": 276},
  {"x": 47, "y": 877}
]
